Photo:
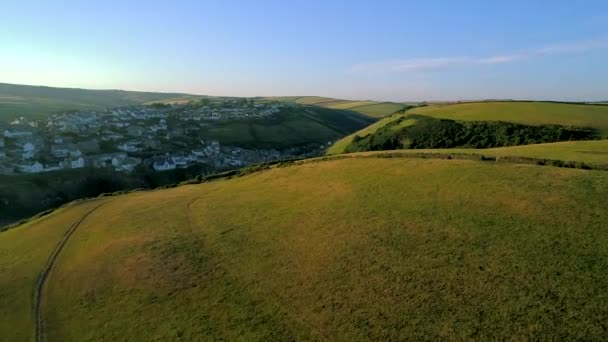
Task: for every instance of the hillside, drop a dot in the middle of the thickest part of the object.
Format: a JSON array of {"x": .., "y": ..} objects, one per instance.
[
  {"x": 37, "y": 101},
  {"x": 533, "y": 113},
  {"x": 526, "y": 113},
  {"x": 346, "y": 249},
  {"x": 591, "y": 153},
  {"x": 295, "y": 125},
  {"x": 247, "y": 135},
  {"x": 372, "y": 109}
]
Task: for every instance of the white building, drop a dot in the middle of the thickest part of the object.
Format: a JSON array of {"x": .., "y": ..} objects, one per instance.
[
  {"x": 164, "y": 164},
  {"x": 34, "y": 168},
  {"x": 16, "y": 134},
  {"x": 29, "y": 147},
  {"x": 130, "y": 146},
  {"x": 77, "y": 164}
]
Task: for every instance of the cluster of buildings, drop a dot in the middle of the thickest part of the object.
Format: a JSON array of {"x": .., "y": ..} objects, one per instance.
[{"x": 160, "y": 138}]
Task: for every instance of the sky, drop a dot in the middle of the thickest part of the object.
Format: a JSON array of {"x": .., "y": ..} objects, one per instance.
[{"x": 379, "y": 50}]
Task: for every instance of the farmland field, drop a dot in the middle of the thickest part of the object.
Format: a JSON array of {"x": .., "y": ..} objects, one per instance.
[{"x": 347, "y": 249}]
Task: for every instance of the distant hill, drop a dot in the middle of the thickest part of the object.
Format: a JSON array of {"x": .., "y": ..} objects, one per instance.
[
  {"x": 354, "y": 248},
  {"x": 371, "y": 109},
  {"x": 521, "y": 112},
  {"x": 526, "y": 112},
  {"x": 38, "y": 101}
]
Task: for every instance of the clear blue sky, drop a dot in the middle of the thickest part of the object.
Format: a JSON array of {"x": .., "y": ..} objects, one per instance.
[{"x": 384, "y": 50}]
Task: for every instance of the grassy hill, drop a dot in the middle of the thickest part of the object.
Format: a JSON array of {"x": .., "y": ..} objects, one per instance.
[
  {"x": 533, "y": 113},
  {"x": 529, "y": 113},
  {"x": 37, "y": 101},
  {"x": 371, "y": 109},
  {"x": 594, "y": 152},
  {"x": 346, "y": 249},
  {"x": 295, "y": 125}
]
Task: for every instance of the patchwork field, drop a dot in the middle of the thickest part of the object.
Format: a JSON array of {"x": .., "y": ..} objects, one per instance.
[{"x": 347, "y": 249}]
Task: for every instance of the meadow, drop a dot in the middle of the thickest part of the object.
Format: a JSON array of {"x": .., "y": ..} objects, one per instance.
[
  {"x": 344, "y": 249},
  {"x": 533, "y": 113},
  {"x": 594, "y": 152},
  {"x": 523, "y": 112}
]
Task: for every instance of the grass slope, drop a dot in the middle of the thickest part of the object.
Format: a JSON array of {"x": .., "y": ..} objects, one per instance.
[
  {"x": 535, "y": 113},
  {"x": 36, "y": 101},
  {"x": 339, "y": 146},
  {"x": 593, "y": 152},
  {"x": 294, "y": 126},
  {"x": 372, "y": 109},
  {"x": 348, "y": 249}
]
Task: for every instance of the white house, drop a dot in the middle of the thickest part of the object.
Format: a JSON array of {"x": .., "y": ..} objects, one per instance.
[
  {"x": 29, "y": 147},
  {"x": 77, "y": 164},
  {"x": 181, "y": 161},
  {"x": 199, "y": 153},
  {"x": 163, "y": 164},
  {"x": 34, "y": 168},
  {"x": 53, "y": 167},
  {"x": 74, "y": 152},
  {"x": 16, "y": 134},
  {"x": 130, "y": 146}
]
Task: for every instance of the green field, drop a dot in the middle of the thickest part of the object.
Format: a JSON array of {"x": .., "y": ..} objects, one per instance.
[
  {"x": 37, "y": 102},
  {"x": 593, "y": 152},
  {"x": 347, "y": 249},
  {"x": 372, "y": 109},
  {"x": 534, "y": 113}
]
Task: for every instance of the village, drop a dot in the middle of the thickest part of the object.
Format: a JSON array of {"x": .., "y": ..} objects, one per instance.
[{"x": 159, "y": 137}]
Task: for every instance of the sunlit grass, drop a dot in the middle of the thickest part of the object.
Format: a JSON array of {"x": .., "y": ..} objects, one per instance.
[{"x": 349, "y": 249}]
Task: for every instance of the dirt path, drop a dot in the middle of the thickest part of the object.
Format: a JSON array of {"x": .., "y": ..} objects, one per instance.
[{"x": 42, "y": 277}]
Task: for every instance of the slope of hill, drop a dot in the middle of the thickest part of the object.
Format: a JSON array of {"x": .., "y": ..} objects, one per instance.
[
  {"x": 347, "y": 249},
  {"x": 371, "y": 109},
  {"x": 37, "y": 101},
  {"x": 592, "y": 153},
  {"x": 533, "y": 113},
  {"x": 341, "y": 145},
  {"x": 529, "y": 113},
  {"x": 293, "y": 126}
]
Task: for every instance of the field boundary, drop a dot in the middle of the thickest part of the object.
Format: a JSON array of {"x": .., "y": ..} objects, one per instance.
[{"x": 48, "y": 267}]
